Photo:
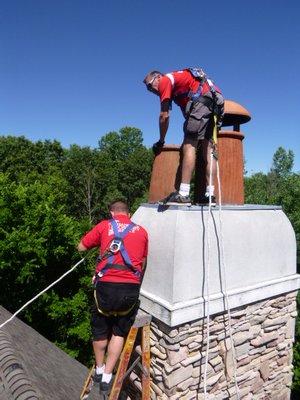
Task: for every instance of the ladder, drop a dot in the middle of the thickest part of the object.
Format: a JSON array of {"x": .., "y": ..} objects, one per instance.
[{"x": 142, "y": 323}]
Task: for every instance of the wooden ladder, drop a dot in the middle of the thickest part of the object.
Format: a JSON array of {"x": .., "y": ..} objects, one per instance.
[{"x": 142, "y": 321}]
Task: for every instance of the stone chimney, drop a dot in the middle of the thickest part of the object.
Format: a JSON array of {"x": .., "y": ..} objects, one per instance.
[{"x": 200, "y": 262}]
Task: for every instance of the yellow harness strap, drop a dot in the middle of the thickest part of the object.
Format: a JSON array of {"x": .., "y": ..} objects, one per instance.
[
  {"x": 215, "y": 131},
  {"x": 112, "y": 313}
]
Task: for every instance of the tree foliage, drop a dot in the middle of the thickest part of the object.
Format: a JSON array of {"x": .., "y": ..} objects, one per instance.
[
  {"x": 283, "y": 162},
  {"x": 49, "y": 196}
]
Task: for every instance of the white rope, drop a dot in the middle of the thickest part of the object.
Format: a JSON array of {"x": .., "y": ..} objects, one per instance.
[
  {"x": 39, "y": 294},
  {"x": 207, "y": 278},
  {"x": 224, "y": 280}
]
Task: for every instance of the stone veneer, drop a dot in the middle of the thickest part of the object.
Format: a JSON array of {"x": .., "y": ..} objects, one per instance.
[{"x": 263, "y": 334}]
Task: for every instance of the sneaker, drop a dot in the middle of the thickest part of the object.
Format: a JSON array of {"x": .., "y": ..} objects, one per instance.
[
  {"x": 176, "y": 199},
  {"x": 204, "y": 201},
  {"x": 97, "y": 378},
  {"x": 105, "y": 389}
]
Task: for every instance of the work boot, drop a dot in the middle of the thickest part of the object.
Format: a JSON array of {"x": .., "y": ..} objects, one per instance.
[
  {"x": 204, "y": 201},
  {"x": 105, "y": 389},
  {"x": 176, "y": 199},
  {"x": 97, "y": 378}
]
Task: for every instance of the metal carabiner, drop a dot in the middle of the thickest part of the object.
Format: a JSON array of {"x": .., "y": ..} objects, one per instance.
[{"x": 115, "y": 245}]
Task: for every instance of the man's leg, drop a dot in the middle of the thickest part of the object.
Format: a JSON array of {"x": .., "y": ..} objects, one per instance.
[
  {"x": 207, "y": 148},
  {"x": 188, "y": 166},
  {"x": 114, "y": 351},
  {"x": 188, "y": 162},
  {"x": 100, "y": 332},
  {"x": 99, "y": 347}
]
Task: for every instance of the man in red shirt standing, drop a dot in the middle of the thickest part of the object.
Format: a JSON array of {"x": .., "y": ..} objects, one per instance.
[
  {"x": 199, "y": 99},
  {"x": 123, "y": 248}
]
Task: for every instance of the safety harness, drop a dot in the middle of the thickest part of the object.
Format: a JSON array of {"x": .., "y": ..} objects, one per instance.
[
  {"x": 197, "y": 97},
  {"x": 116, "y": 246}
]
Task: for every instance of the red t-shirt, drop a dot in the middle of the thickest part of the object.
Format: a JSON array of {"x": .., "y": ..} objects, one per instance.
[
  {"x": 135, "y": 243},
  {"x": 182, "y": 83}
]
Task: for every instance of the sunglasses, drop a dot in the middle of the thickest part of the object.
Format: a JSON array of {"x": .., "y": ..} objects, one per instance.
[{"x": 149, "y": 85}]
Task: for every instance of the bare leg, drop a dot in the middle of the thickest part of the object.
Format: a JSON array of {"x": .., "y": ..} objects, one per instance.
[
  {"x": 188, "y": 162},
  {"x": 113, "y": 353},
  {"x": 207, "y": 148},
  {"x": 99, "y": 347}
]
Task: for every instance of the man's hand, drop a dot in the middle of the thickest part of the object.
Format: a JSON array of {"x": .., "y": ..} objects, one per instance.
[
  {"x": 81, "y": 246},
  {"x": 157, "y": 147}
]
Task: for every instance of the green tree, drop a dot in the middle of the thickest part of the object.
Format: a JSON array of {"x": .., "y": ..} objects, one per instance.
[
  {"x": 37, "y": 243},
  {"x": 87, "y": 178},
  {"x": 49, "y": 197},
  {"x": 281, "y": 187},
  {"x": 19, "y": 155},
  {"x": 283, "y": 162},
  {"x": 129, "y": 163}
]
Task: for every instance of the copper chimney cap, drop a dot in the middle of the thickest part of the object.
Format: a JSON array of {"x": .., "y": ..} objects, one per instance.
[{"x": 235, "y": 114}]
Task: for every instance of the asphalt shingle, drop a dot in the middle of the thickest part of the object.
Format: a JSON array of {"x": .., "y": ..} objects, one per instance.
[{"x": 31, "y": 367}]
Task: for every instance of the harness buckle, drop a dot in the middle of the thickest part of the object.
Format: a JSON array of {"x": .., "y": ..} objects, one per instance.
[{"x": 115, "y": 245}]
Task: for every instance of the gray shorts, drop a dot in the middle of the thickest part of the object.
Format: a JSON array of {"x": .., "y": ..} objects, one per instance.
[{"x": 199, "y": 120}]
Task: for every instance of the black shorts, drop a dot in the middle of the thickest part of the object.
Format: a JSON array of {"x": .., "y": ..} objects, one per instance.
[
  {"x": 199, "y": 122},
  {"x": 114, "y": 297}
]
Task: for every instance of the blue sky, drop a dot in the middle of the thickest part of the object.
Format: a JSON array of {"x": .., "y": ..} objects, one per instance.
[{"x": 72, "y": 70}]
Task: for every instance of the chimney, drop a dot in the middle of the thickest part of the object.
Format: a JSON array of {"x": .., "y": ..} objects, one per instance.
[{"x": 166, "y": 172}]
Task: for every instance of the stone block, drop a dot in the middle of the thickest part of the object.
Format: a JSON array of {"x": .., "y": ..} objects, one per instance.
[
  {"x": 192, "y": 358},
  {"x": 240, "y": 338},
  {"x": 156, "y": 351},
  {"x": 263, "y": 339},
  {"x": 215, "y": 361},
  {"x": 275, "y": 321},
  {"x": 167, "y": 346},
  {"x": 187, "y": 383},
  {"x": 254, "y": 331},
  {"x": 170, "y": 368},
  {"x": 175, "y": 357},
  {"x": 194, "y": 346},
  {"x": 282, "y": 361},
  {"x": 178, "y": 376},
  {"x": 242, "y": 349},
  {"x": 290, "y": 330},
  {"x": 213, "y": 379},
  {"x": 191, "y": 339},
  {"x": 265, "y": 370}
]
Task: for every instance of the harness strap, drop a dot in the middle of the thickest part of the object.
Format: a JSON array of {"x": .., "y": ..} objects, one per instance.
[
  {"x": 120, "y": 236},
  {"x": 112, "y": 313},
  {"x": 207, "y": 101},
  {"x": 120, "y": 267},
  {"x": 118, "y": 241}
]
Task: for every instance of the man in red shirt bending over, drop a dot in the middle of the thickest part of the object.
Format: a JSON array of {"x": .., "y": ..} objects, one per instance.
[
  {"x": 123, "y": 248},
  {"x": 199, "y": 99}
]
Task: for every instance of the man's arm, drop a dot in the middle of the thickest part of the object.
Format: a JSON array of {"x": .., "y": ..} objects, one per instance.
[
  {"x": 81, "y": 246},
  {"x": 92, "y": 238},
  {"x": 144, "y": 264},
  {"x": 164, "y": 118},
  {"x": 163, "y": 125}
]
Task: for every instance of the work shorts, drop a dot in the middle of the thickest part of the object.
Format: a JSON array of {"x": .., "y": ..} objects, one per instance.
[
  {"x": 114, "y": 297},
  {"x": 199, "y": 121}
]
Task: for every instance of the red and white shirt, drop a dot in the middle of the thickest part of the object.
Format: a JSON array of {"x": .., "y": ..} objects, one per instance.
[
  {"x": 179, "y": 83},
  {"x": 135, "y": 243}
]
